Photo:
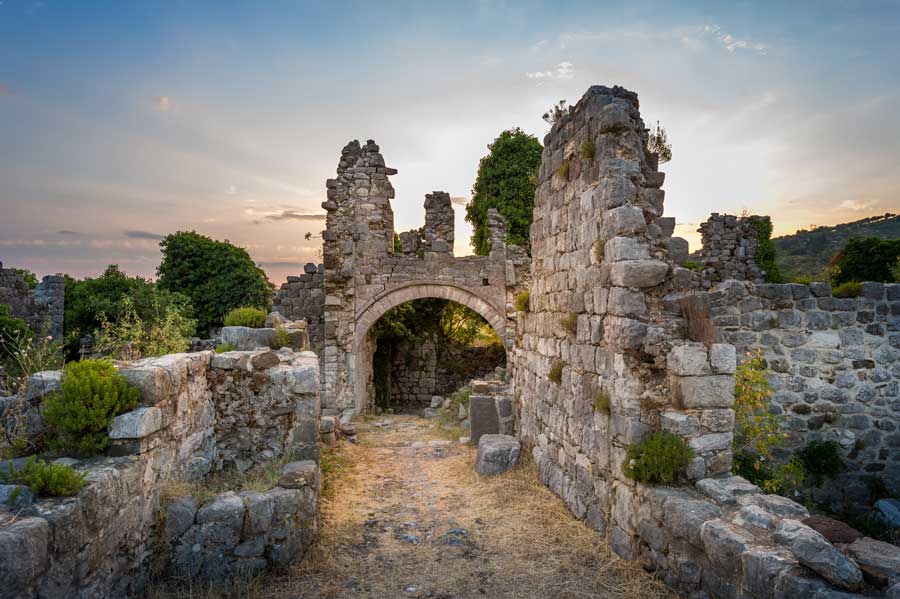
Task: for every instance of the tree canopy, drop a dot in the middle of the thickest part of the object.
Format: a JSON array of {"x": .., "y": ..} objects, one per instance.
[
  {"x": 866, "y": 259},
  {"x": 216, "y": 275},
  {"x": 506, "y": 180}
]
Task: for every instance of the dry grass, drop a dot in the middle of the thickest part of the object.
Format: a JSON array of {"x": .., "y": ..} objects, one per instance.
[
  {"x": 695, "y": 310},
  {"x": 521, "y": 540}
]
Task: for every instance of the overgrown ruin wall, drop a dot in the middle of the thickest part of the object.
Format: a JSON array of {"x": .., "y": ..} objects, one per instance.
[
  {"x": 41, "y": 308},
  {"x": 729, "y": 250},
  {"x": 601, "y": 258},
  {"x": 834, "y": 364},
  {"x": 303, "y": 298}
]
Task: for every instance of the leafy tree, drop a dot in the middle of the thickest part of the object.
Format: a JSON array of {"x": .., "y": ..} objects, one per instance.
[
  {"x": 506, "y": 182},
  {"x": 765, "y": 249},
  {"x": 659, "y": 144},
  {"x": 30, "y": 278},
  {"x": 866, "y": 259},
  {"x": 216, "y": 275},
  {"x": 556, "y": 112}
]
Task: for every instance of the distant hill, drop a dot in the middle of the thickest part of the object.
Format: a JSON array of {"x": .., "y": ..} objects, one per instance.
[{"x": 808, "y": 252}]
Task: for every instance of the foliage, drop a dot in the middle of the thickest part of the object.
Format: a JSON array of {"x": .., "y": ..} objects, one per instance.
[
  {"x": 756, "y": 429},
  {"x": 29, "y": 277},
  {"x": 765, "y": 249},
  {"x": 523, "y": 301},
  {"x": 92, "y": 393},
  {"x": 895, "y": 271},
  {"x": 281, "y": 338},
  {"x": 504, "y": 181},
  {"x": 246, "y": 317},
  {"x": 848, "y": 289},
  {"x": 660, "y": 458},
  {"x": 658, "y": 143},
  {"x": 555, "y": 374},
  {"x": 52, "y": 480},
  {"x": 11, "y": 330},
  {"x": 821, "y": 459},
  {"x": 91, "y": 302},
  {"x": 786, "y": 479},
  {"x": 588, "y": 151},
  {"x": 569, "y": 323},
  {"x": 692, "y": 265},
  {"x": 130, "y": 337},
  {"x": 601, "y": 402},
  {"x": 25, "y": 354},
  {"x": 216, "y": 275},
  {"x": 398, "y": 246},
  {"x": 562, "y": 171},
  {"x": 225, "y": 347},
  {"x": 865, "y": 259},
  {"x": 556, "y": 112}
]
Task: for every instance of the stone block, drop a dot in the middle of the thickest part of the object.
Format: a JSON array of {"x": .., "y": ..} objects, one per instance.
[
  {"x": 296, "y": 475},
  {"x": 879, "y": 561},
  {"x": 483, "y": 417},
  {"x": 619, "y": 249},
  {"x": 723, "y": 358},
  {"x": 136, "y": 424},
  {"x": 623, "y": 334},
  {"x": 622, "y": 222},
  {"x": 813, "y": 551},
  {"x": 625, "y": 302},
  {"x": 690, "y": 359},
  {"x": 724, "y": 544},
  {"x": 716, "y": 391},
  {"x": 41, "y": 384},
  {"x": 180, "y": 514},
  {"x": 24, "y": 555},
  {"x": 260, "y": 507},
  {"x": 497, "y": 454},
  {"x": 226, "y": 509},
  {"x": 638, "y": 273},
  {"x": 246, "y": 339},
  {"x": 15, "y": 497}
]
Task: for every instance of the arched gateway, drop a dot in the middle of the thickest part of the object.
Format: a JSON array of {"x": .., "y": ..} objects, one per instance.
[{"x": 367, "y": 271}]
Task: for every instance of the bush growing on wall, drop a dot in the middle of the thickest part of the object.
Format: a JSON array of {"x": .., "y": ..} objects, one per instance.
[
  {"x": 246, "y": 317},
  {"x": 216, "y": 275},
  {"x": 765, "y": 249},
  {"x": 131, "y": 338},
  {"x": 51, "y": 480},
  {"x": 11, "y": 330},
  {"x": 92, "y": 393},
  {"x": 658, "y": 459}
]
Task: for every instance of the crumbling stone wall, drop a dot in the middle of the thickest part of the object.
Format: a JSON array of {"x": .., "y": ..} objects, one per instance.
[
  {"x": 100, "y": 542},
  {"x": 729, "y": 250},
  {"x": 303, "y": 298},
  {"x": 41, "y": 308},
  {"x": 835, "y": 367},
  {"x": 605, "y": 310},
  {"x": 364, "y": 277}
]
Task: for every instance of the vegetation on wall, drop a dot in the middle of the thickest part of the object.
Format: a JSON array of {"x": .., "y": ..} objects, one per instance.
[
  {"x": 216, "y": 275},
  {"x": 658, "y": 143},
  {"x": 765, "y": 249},
  {"x": 130, "y": 337},
  {"x": 246, "y": 317},
  {"x": 659, "y": 459},
  {"x": 43, "y": 478},
  {"x": 505, "y": 181},
  {"x": 866, "y": 259}
]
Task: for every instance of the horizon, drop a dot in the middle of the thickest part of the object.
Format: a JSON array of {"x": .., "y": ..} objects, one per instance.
[{"x": 124, "y": 123}]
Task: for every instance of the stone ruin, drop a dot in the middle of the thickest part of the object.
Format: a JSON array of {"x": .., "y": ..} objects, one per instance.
[
  {"x": 41, "y": 308},
  {"x": 729, "y": 250}
]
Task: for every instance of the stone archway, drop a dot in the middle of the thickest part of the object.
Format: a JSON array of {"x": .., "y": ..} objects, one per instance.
[{"x": 364, "y": 348}]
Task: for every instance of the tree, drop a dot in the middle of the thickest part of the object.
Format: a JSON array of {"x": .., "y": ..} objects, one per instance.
[
  {"x": 865, "y": 259},
  {"x": 216, "y": 275},
  {"x": 556, "y": 112},
  {"x": 659, "y": 144},
  {"x": 30, "y": 278},
  {"x": 505, "y": 181}
]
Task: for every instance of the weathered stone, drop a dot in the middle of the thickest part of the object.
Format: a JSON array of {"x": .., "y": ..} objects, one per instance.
[
  {"x": 24, "y": 555},
  {"x": 879, "y": 561},
  {"x": 483, "y": 417},
  {"x": 618, "y": 249},
  {"x": 888, "y": 511},
  {"x": 246, "y": 339},
  {"x": 689, "y": 360},
  {"x": 258, "y": 516},
  {"x": 813, "y": 551},
  {"x": 15, "y": 497},
  {"x": 136, "y": 424},
  {"x": 722, "y": 358},
  {"x": 296, "y": 475},
  {"x": 638, "y": 273},
  {"x": 227, "y": 508},
  {"x": 724, "y": 543},
  {"x": 180, "y": 515},
  {"x": 715, "y": 391},
  {"x": 497, "y": 454},
  {"x": 833, "y": 530}
]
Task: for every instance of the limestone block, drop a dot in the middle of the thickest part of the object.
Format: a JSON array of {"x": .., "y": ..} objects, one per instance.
[
  {"x": 623, "y": 333},
  {"x": 613, "y": 192},
  {"x": 638, "y": 273},
  {"x": 723, "y": 358},
  {"x": 688, "y": 360},
  {"x": 712, "y": 442},
  {"x": 678, "y": 249},
  {"x": 613, "y": 117},
  {"x": 226, "y": 508},
  {"x": 258, "y": 516},
  {"x": 483, "y": 417},
  {"x": 624, "y": 302},
  {"x": 24, "y": 545},
  {"x": 296, "y": 475},
  {"x": 724, "y": 544},
  {"x": 622, "y": 221},
  {"x": 180, "y": 514},
  {"x": 15, "y": 497},
  {"x": 245, "y": 338},
  {"x": 41, "y": 384},
  {"x": 761, "y": 567},
  {"x": 716, "y": 391},
  {"x": 813, "y": 551},
  {"x": 136, "y": 424},
  {"x": 880, "y": 561},
  {"x": 497, "y": 454},
  {"x": 618, "y": 249}
]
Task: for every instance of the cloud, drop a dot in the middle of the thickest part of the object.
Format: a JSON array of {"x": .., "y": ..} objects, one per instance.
[
  {"x": 459, "y": 200},
  {"x": 70, "y": 232},
  {"x": 38, "y": 242},
  {"x": 231, "y": 191},
  {"x": 260, "y": 215},
  {"x": 143, "y": 235},
  {"x": 564, "y": 70},
  {"x": 857, "y": 205},
  {"x": 163, "y": 102},
  {"x": 732, "y": 43}
]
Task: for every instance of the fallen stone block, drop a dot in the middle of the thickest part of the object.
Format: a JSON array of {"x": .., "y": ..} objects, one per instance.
[
  {"x": 815, "y": 552},
  {"x": 497, "y": 454}
]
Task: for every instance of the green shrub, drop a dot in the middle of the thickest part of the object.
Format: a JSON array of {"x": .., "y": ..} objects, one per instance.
[
  {"x": 786, "y": 479},
  {"x": 848, "y": 289},
  {"x": 563, "y": 171},
  {"x": 225, "y": 347},
  {"x": 92, "y": 393},
  {"x": 601, "y": 402},
  {"x": 12, "y": 329},
  {"x": 895, "y": 271},
  {"x": 570, "y": 323},
  {"x": 660, "y": 458},
  {"x": 865, "y": 259},
  {"x": 51, "y": 480},
  {"x": 587, "y": 150},
  {"x": 555, "y": 374},
  {"x": 522, "y": 301},
  {"x": 246, "y": 317},
  {"x": 765, "y": 249},
  {"x": 692, "y": 265},
  {"x": 821, "y": 459},
  {"x": 756, "y": 428},
  {"x": 281, "y": 338},
  {"x": 131, "y": 337}
]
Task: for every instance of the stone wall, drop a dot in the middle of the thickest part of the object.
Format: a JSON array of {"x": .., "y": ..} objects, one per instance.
[
  {"x": 835, "y": 366},
  {"x": 729, "y": 249},
  {"x": 101, "y": 542},
  {"x": 41, "y": 308},
  {"x": 605, "y": 315},
  {"x": 303, "y": 298}
]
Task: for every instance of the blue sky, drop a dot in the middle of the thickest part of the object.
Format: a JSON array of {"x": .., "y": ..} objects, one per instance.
[{"x": 124, "y": 121}]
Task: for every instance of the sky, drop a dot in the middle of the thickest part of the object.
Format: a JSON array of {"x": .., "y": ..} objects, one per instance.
[{"x": 121, "y": 122}]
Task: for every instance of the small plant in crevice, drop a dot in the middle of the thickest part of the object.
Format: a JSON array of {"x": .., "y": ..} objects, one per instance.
[
  {"x": 281, "y": 338},
  {"x": 588, "y": 150},
  {"x": 563, "y": 170},
  {"x": 598, "y": 252},
  {"x": 225, "y": 347},
  {"x": 44, "y": 478},
  {"x": 522, "y": 302},
  {"x": 555, "y": 374},
  {"x": 659, "y": 459},
  {"x": 848, "y": 289},
  {"x": 570, "y": 323},
  {"x": 246, "y": 317},
  {"x": 821, "y": 460},
  {"x": 692, "y": 265},
  {"x": 601, "y": 402}
]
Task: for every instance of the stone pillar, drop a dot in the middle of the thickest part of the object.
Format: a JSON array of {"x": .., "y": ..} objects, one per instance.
[
  {"x": 729, "y": 249},
  {"x": 438, "y": 231}
]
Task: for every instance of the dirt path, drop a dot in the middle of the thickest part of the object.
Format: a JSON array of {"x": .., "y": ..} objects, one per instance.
[{"x": 406, "y": 516}]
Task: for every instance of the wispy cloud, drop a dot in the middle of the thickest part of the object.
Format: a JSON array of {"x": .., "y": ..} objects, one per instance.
[
  {"x": 231, "y": 191},
  {"x": 163, "y": 102},
  {"x": 858, "y": 205},
  {"x": 564, "y": 70},
  {"x": 260, "y": 216},
  {"x": 459, "y": 200},
  {"x": 134, "y": 234},
  {"x": 70, "y": 232},
  {"x": 732, "y": 43}
]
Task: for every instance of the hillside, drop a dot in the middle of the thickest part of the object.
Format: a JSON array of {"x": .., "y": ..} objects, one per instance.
[{"x": 808, "y": 252}]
